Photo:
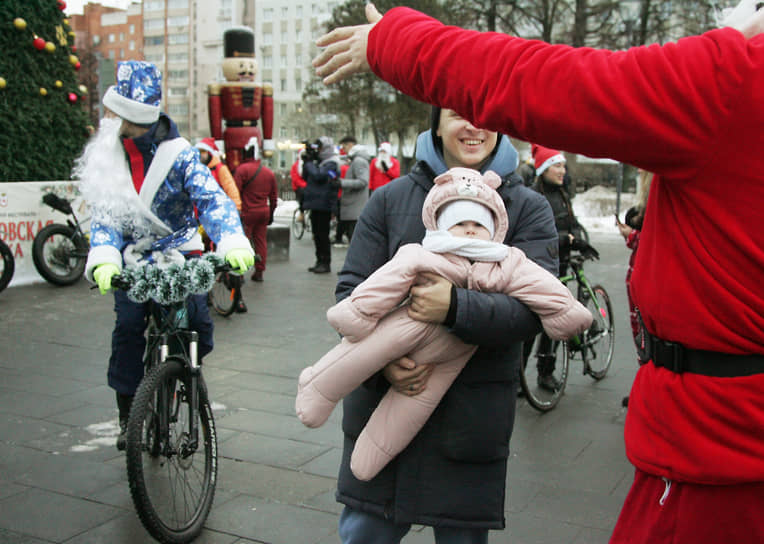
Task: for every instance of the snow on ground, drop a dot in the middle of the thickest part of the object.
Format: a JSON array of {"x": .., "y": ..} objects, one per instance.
[{"x": 594, "y": 208}]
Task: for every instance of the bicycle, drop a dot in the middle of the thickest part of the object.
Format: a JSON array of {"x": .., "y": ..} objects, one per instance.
[
  {"x": 171, "y": 438},
  {"x": 594, "y": 347},
  {"x": 8, "y": 264},
  {"x": 60, "y": 252},
  {"x": 299, "y": 228},
  {"x": 225, "y": 294}
]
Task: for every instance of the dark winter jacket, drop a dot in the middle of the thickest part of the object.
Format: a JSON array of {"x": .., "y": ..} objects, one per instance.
[
  {"x": 454, "y": 471},
  {"x": 564, "y": 219},
  {"x": 322, "y": 184}
]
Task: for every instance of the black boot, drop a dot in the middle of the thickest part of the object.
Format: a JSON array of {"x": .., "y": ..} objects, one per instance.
[
  {"x": 321, "y": 268},
  {"x": 123, "y": 403},
  {"x": 313, "y": 268},
  {"x": 546, "y": 379}
]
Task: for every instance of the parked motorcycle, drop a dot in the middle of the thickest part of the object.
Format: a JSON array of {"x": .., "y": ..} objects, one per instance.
[{"x": 59, "y": 251}]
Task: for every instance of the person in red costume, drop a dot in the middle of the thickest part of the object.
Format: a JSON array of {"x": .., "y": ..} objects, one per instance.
[
  {"x": 298, "y": 184},
  {"x": 691, "y": 112},
  {"x": 259, "y": 198},
  {"x": 237, "y": 105},
  {"x": 384, "y": 167}
]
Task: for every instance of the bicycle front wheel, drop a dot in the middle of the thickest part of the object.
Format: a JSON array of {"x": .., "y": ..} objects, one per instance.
[
  {"x": 225, "y": 293},
  {"x": 56, "y": 255},
  {"x": 172, "y": 486},
  {"x": 599, "y": 339},
  {"x": 298, "y": 227},
  {"x": 542, "y": 397}
]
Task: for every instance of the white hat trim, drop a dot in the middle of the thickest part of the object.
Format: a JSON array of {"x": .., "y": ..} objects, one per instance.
[
  {"x": 205, "y": 147},
  {"x": 130, "y": 110},
  {"x": 554, "y": 159}
]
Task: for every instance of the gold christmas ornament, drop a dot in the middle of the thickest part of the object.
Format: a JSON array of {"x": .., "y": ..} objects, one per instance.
[
  {"x": 50, "y": 47},
  {"x": 19, "y": 23},
  {"x": 83, "y": 89},
  {"x": 59, "y": 84},
  {"x": 2, "y": 83},
  {"x": 73, "y": 60},
  {"x": 43, "y": 91}
]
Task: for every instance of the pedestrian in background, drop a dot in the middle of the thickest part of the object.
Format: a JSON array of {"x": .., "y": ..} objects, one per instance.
[
  {"x": 259, "y": 198},
  {"x": 384, "y": 167},
  {"x": 210, "y": 155},
  {"x": 321, "y": 170},
  {"x": 354, "y": 184}
]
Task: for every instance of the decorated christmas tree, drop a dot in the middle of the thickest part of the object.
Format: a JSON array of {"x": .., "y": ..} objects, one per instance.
[{"x": 44, "y": 126}]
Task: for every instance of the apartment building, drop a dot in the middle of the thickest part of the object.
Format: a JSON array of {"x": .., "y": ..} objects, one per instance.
[
  {"x": 285, "y": 35},
  {"x": 113, "y": 33}
]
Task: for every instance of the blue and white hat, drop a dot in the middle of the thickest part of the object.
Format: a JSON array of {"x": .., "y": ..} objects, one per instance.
[{"x": 138, "y": 93}]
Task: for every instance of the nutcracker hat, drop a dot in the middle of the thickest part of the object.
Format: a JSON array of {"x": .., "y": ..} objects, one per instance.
[
  {"x": 138, "y": 93},
  {"x": 545, "y": 158},
  {"x": 239, "y": 41},
  {"x": 208, "y": 144}
]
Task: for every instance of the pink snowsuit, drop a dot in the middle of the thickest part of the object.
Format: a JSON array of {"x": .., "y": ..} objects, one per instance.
[{"x": 377, "y": 329}]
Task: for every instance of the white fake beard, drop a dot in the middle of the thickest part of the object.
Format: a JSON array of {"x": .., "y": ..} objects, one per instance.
[{"x": 106, "y": 184}]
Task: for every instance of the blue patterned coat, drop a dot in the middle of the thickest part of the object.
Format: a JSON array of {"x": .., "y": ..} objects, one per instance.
[{"x": 176, "y": 181}]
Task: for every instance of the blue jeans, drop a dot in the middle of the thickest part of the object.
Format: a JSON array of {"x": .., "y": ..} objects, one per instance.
[{"x": 361, "y": 528}]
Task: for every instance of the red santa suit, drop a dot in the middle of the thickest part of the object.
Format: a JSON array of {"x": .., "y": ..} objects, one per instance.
[{"x": 692, "y": 113}]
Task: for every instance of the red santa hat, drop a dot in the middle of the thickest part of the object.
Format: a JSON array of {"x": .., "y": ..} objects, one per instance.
[
  {"x": 545, "y": 157},
  {"x": 208, "y": 144}
]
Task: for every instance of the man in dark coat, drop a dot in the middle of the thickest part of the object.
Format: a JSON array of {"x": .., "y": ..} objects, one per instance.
[
  {"x": 452, "y": 475},
  {"x": 321, "y": 171}
]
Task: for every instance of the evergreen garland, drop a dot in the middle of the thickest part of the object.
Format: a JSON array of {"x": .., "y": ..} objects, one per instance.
[
  {"x": 40, "y": 135},
  {"x": 173, "y": 283}
]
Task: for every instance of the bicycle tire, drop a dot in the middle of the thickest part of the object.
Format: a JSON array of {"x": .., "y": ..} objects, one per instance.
[
  {"x": 54, "y": 255},
  {"x": 598, "y": 356},
  {"x": 8, "y": 264},
  {"x": 225, "y": 294},
  {"x": 541, "y": 399},
  {"x": 160, "y": 476},
  {"x": 298, "y": 227}
]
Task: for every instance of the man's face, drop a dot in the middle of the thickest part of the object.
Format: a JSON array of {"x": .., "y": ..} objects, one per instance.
[
  {"x": 463, "y": 144},
  {"x": 346, "y": 147}
]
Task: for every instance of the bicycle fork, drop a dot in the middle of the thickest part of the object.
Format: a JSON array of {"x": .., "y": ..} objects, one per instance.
[{"x": 168, "y": 405}]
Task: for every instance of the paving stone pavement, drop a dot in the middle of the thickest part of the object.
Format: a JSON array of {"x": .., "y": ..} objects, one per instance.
[{"x": 63, "y": 481}]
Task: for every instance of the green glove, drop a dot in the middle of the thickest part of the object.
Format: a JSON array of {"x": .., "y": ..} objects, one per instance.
[
  {"x": 103, "y": 274},
  {"x": 240, "y": 259}
]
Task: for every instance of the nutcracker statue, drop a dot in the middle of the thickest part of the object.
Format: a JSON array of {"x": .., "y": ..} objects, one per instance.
[{"x": 240, "y": 102}]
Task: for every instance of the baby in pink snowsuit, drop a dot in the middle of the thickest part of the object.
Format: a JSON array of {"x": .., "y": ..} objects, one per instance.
[{"x": 466, "y": 222}]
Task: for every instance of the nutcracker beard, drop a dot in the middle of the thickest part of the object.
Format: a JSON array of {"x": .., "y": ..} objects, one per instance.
[{"x": 106, "y": 184}]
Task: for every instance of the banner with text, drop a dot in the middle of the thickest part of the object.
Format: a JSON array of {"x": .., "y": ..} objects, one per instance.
[{"x": 23, "y": 214}]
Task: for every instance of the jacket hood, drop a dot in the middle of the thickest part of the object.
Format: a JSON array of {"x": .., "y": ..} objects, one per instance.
[
  {"x": 467, "y": 184},
  {"x": 503, "y": 160},
  {"x": 359, "y": 151}
]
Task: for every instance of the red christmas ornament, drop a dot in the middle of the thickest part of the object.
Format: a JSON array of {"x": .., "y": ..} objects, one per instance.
[
  {"x": 39, "y": 43},
  {"x": 61, "y": 5},
  {"x": 74, "y": 49},
  {"x": 72, "y": 98},
  {"x": 77, "y": 65}
]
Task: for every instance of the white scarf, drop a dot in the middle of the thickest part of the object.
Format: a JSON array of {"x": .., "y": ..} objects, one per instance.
[{"x": 440, "y": 241}]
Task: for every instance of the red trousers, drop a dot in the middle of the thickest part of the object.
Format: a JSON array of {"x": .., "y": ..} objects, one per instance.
[
  {"x": 681, "y": 513},
  {"x": 256, "y": 229}
]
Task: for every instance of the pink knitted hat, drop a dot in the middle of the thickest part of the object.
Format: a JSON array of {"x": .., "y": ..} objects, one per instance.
[{"x": 467, "y": 184}]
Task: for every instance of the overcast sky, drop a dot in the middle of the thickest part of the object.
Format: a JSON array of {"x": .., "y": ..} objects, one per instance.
[{"x": 75, "y": 6}]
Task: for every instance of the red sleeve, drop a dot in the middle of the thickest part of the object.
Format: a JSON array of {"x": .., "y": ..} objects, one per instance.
[
  {"x": 629, "y": 105},
  {"x": 395, "y": 170}
]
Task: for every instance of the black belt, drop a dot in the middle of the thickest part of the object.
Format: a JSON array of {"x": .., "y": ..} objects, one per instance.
[{"x": 677, "y": 358}]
